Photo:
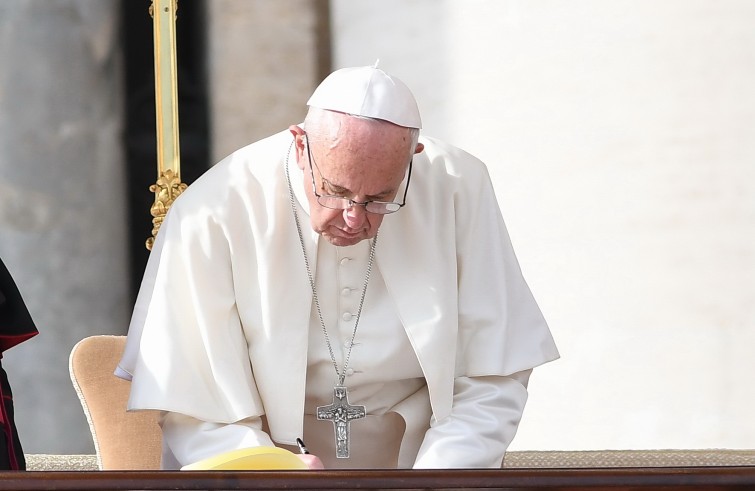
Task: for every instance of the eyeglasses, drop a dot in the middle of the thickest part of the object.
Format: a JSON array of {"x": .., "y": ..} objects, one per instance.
[{"x": 341, "y": 203}]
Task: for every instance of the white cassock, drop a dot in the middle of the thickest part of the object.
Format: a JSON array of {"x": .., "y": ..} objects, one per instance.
[{"x": 224, "y": 330}]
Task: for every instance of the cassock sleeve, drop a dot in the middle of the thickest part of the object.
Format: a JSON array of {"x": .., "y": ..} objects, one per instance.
[
  {"x": 484, "y": 418},
  {"x": 187, "y": 440}
]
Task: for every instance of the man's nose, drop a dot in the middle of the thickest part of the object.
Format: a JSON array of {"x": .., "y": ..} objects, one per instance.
[{"x": 355, "y": 215}]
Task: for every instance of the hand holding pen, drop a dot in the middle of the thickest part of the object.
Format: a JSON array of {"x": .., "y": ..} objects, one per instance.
[{"x": 312, "y": 461}]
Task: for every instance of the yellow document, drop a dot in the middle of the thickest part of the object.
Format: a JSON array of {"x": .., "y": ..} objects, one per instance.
[{"x": 255, "y": 458}]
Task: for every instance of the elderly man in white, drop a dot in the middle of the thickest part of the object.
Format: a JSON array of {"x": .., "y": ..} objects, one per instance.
[{"x": 346, "y": 282}]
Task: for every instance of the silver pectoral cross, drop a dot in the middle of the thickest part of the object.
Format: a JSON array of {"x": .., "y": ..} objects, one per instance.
[{"x": 340, "y": 412}]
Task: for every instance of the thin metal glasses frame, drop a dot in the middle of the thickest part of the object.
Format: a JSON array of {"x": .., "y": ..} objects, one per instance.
[{"x": 383, "y": 207}]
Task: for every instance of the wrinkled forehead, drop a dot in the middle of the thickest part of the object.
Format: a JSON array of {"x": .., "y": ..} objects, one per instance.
[
  {"x": 368, "y": 166},
  {"x": 338, "y": 133}
]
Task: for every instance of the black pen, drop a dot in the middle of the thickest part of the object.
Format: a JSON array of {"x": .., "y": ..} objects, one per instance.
[{"x": 302, "y": 447}]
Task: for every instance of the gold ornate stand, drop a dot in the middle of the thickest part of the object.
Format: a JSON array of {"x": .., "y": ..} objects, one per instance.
[{"x": 168, "y": 185}]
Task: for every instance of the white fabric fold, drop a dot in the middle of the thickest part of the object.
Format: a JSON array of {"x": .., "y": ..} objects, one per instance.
[
  {"x": 484, "y": 419},
  {"x": 187, "y": 440}
]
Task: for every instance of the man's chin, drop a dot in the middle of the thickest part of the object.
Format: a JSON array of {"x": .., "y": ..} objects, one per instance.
[{"x": 341, "y": 241}]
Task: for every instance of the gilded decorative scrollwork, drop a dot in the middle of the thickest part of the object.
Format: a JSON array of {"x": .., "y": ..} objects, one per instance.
[{"x": 167, "y": 188}]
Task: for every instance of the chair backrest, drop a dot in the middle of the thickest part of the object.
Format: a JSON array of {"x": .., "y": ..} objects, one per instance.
[{"x": 122, "y": 440}]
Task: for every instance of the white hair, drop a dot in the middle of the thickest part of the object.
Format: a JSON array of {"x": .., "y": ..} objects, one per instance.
[{"x": 324, "y": 125}]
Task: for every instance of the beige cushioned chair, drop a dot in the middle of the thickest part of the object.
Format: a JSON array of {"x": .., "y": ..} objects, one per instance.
[{"x": 122, "y": 440}]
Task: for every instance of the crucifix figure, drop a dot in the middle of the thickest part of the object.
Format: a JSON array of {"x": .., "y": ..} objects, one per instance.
[{"x": 340, "y": 412}]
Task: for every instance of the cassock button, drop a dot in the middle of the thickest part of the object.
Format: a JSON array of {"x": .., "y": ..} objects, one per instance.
[
  {"x": 349, "y": 371},
  {"x": 346, "y": 292},
  {"x": 347, "y": 316},
  {"x": 347, "y": 344},
  {"x": 345, "y": 261}
]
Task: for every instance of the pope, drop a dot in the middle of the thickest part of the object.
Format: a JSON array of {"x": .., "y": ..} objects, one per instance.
[{"x": 347, "y": 282}]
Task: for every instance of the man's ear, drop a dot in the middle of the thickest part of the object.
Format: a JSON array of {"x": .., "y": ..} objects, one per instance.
[
  {"x": 298, "y": 134},
  {"x": 420, "y": 147}
]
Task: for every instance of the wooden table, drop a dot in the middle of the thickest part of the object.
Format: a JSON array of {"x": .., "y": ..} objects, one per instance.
[{"x": 614, "y": 479}]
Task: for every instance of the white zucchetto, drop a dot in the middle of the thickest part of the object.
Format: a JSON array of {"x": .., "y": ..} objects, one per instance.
[{"x": 370, "y": 92}]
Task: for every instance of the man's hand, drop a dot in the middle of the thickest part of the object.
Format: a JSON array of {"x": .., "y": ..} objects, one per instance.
[{"x": 312, "y": 461}]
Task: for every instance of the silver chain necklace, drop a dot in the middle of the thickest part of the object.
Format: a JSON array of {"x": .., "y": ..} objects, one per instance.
[{"x": 340, "y": 412}]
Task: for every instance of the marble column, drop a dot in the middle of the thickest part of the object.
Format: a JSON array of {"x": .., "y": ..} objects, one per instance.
[{"x": 62, "y": 224}]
